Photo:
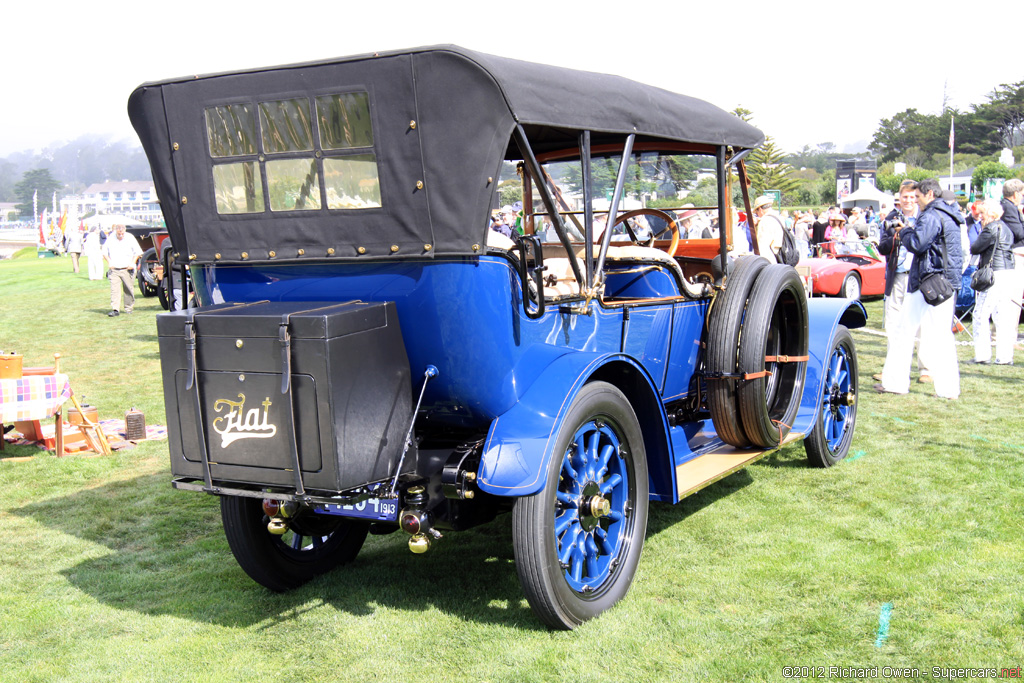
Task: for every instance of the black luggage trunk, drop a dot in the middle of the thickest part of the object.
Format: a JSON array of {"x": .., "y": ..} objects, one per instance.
[{"x": 342, "y": 366}]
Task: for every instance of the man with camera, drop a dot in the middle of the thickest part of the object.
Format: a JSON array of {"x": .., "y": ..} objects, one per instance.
[
  {"x": 932, "y": 282},
  {"x": 897, "y": 264}
]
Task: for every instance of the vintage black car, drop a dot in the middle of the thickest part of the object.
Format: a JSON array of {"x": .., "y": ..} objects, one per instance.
[{"x": 368, "y": 354}]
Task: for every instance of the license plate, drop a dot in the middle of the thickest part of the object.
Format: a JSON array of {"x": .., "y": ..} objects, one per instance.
[{"x": 381, "y": 510}]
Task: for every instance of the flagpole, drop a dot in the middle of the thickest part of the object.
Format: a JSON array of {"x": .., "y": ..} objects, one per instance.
[{"x": 951, "y": 149}]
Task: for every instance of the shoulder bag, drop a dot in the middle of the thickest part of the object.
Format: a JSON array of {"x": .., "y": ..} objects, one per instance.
[
  {"x": 983, "y": 278},
  {"x": 935, "y": 287}
]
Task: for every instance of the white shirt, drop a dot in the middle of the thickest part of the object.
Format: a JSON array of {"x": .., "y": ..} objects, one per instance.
[
  {"x": 121, "y": 253},
  {"x": 769, "y": 235}
]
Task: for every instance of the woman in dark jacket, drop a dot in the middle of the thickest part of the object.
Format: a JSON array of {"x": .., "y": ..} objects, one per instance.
[{"x": 993, "y": 244}]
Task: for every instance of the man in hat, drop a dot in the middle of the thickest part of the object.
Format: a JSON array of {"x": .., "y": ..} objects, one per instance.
[{"x": 768, "y": 227}]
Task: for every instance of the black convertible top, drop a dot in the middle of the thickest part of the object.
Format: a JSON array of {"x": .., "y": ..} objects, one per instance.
[{"x": 442, "y": 119}]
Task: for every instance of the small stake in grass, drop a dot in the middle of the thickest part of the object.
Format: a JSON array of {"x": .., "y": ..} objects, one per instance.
[{"x": 883, "y": 624}]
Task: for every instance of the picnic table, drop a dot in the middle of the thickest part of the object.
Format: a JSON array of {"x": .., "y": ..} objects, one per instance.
[{"x": 30, "y": 399}]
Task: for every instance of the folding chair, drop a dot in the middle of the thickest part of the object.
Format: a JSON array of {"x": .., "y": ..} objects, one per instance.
[{"x": 965, "y": 300}]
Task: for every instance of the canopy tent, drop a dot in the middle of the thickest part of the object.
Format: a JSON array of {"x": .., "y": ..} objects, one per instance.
[{"x": 866, "y": 195}]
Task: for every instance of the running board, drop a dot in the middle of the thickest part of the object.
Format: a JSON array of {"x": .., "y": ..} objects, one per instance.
[{"x": 720, "y": 461}]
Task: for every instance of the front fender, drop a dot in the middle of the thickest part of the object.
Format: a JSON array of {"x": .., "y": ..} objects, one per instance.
[
  {"x": 519, "y": 442},
  {"x": 823, "y": 318}
]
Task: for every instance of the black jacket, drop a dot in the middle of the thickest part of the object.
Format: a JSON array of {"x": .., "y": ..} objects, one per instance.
[
  {"x": 994, "y": 246},
  {"x": 1011, "y": 216},
  {"x": 890, "y": 247},
  {"x": 938, "y": 222}
]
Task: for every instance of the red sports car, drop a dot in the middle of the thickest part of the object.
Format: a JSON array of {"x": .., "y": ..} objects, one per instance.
[{"x": 850, "y": 270}]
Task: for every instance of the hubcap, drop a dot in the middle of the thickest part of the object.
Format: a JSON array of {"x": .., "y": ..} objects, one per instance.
[
  {"x": 590, "y": 507},
  {"x": 840, "y": 400}
]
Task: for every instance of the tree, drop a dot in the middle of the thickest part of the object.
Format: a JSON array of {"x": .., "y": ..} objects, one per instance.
[
  {"x": 920, "y": 135},
  {"x": 821, "y": 158},
  {"x": 1003, "y": 114},
  {"x": 35, "y": 180},
  {"x": 509, "y": 192},
  {"x": 890, "y": 182},
  {"x": 767, "y": 171},
  {"x": 744, "y": 114},
  {"x": 989, "y": 169}
]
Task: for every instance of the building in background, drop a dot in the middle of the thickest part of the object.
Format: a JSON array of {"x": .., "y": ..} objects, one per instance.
[{"x": 133, "y": 198}]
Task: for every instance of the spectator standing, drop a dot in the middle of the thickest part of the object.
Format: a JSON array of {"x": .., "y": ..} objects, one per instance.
[
  {"x": 818, "y": 229},
  {"x": 741, "y": 235},
  {"x": 974, "y": 224},
  {"x": 93, "y": 254},
  {"x": 74, "y": 244},
  {"x": 897, "y": 266},
  {"x": 994, "y": 244},
  {"x": 803, "y": 233},
  {"x": 768, "y": 225},
  {"x": 1013, "y": 192},
  {"x": 937, "y": 228},
  {"x": 121, "y": 252},
  {"x": 836, "y": 230}
]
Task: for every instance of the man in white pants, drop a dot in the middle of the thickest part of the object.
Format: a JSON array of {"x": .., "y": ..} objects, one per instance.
[
  {"x": 122, "y": 252},
  {"x": 937, "y": 224}
]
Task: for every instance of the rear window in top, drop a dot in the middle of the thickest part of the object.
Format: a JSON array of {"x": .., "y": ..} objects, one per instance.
[{"x": 297, "y": 154}]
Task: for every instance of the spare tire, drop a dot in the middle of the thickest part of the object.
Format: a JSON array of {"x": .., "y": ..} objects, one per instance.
[
  {"x": 773, "y": 356},
  {"x": 724, "y": 321}
]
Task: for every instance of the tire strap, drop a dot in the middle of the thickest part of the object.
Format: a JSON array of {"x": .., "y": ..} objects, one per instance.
[
  {"x": 772, "y": 358},
  {"x": 780, "y": 424},
  {"x": 193, "y": 383}
]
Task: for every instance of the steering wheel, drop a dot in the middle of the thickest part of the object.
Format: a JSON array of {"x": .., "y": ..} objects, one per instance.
[{"x": 624, "y": 217}]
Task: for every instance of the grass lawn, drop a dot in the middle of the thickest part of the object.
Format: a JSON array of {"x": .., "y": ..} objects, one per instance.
[{"x": 108, "y": 574}]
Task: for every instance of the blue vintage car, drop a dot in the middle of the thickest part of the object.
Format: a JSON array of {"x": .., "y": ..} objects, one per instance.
[{"x": 436, "y": 285}]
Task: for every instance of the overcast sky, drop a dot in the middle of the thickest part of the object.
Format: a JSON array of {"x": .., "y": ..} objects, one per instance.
[{"x": 811, "y": 72}]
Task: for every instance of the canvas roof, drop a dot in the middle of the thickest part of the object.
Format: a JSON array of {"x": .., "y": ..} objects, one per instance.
[{"x": 437, "y": 178}]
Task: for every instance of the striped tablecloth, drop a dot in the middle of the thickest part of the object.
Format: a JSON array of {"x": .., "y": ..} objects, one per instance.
[{"x": 32, "y": 398}]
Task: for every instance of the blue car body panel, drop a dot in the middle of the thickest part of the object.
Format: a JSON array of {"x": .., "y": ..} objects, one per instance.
[{"x": 514, "y": 376}]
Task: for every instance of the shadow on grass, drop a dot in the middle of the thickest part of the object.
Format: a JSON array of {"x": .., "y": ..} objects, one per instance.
[
  {"x": 13, "y": 451},
  {"x": 793, "y": 455},
  {"x": 664, "y": 515},
  {"x": 168, "y": 556}
]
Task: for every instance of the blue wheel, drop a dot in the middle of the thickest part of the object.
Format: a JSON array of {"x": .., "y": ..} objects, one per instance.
[
  {"x": 829, "y": 441},
  {"x": 578, "y": 541}
]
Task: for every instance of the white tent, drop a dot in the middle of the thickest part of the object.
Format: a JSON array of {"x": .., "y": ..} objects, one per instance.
[
  {"x": 866, "y": 195},
  {"x": 107, "y": 221}
]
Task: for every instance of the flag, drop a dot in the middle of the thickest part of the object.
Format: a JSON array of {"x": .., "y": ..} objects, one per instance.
[{"x": 951, "y": 132}]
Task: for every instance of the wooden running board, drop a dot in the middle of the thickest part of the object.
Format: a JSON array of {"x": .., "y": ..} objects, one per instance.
[{"x": 719, "y": 461}]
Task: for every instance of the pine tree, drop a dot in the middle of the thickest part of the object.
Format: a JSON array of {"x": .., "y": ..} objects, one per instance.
[{"x": 766, "y": 170}]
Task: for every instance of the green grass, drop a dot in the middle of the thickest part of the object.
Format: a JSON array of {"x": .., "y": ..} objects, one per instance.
[{"x": 108, "y": 574}]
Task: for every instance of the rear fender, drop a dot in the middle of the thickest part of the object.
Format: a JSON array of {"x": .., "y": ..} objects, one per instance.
[
  {"x": 519, "y": 442},
  {"x": 823, "y": 317}
]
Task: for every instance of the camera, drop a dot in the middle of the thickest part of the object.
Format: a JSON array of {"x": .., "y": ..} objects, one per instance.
[{"x": 893, "y": 224}]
